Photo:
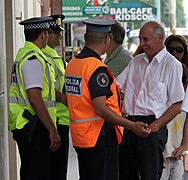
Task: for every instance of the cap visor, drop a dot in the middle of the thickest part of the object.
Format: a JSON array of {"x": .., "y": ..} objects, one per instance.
[{"x": 49, "y": 30}]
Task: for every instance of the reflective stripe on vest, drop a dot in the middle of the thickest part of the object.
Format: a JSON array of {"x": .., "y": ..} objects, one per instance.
[
  {"x": 86, "y": 120},
  {"x": 20, "y": 100},
  {"x": 57, "y": 84}
]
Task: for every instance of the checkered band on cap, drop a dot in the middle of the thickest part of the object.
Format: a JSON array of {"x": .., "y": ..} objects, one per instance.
[
  {"x": 42, "y": 25},
  {"x": 52, "y": 23}
]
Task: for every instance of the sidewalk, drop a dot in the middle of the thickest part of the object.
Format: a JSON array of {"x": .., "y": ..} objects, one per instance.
[{"x": 72, "y": 173}]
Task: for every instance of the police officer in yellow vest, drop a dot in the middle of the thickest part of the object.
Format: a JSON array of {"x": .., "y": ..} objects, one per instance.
[
  {"x": 32, "y": 112},
  {"x": 93, "y": 99},
  {"x": 60, "y": 157}
]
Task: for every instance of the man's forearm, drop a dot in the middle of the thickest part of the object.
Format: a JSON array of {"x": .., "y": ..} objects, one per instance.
[{"x": 61, "y": 97}]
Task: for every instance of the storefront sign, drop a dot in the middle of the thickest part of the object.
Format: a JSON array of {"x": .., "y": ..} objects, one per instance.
[{"x": 121, "y": 10}]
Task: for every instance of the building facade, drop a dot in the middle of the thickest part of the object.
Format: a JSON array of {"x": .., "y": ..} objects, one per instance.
[{"x": 11, "y": 39}]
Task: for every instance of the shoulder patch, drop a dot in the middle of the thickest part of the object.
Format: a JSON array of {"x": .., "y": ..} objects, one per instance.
[
  {"x": 102, "y": 80},
  {"x": 32, "y": 57}
]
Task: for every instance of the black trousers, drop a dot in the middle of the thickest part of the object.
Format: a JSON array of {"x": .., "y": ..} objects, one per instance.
[
  {"x": 35, "y": 155},
  {"x": 141, "y": 158},
  {"x": 37, "y": 161},
  {"x": 60, "y": 157},
  {"x": 99, "y": 162}
]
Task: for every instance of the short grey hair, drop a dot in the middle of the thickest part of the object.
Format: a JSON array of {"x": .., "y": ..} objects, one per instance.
[{"x": 158, "y": 28}]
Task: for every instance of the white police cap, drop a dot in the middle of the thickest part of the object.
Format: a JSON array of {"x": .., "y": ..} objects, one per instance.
[
  {"x": 98, "y": 24},
  {"x": 36, "y": 23}
]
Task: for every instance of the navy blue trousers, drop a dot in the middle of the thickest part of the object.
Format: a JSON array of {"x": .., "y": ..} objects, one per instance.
[
  {"x": 37, "y": 161},
  {"x": 141, "y": 158},
  {"x": 99, "y": 162}
]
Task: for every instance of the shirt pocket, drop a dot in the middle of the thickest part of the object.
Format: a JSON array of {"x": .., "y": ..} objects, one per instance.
[{"x": 157, "y": 91}]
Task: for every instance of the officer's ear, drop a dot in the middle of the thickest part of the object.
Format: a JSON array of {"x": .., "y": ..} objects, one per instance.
[
  {"x": 44, "y": 34},
  {"x": 107, "y": 38},
  {"x": 85, "y": 36}
]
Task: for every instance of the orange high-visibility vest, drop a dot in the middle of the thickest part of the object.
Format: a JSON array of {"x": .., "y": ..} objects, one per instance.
[{"x": 85, "y": 124}]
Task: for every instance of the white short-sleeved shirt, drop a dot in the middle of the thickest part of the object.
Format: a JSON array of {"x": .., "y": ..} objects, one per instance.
[
  {"x": 185, "y": 102},
  {"x": 32, "y": 74},
  {"x": 151, "y": 88}
]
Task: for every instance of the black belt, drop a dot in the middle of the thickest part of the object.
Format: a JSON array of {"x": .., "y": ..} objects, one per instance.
[{"x": 146, "y": 119}]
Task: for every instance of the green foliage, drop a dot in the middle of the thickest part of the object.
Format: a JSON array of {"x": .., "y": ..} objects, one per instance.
[
  {"x": 165, "y": 16},
  {"x": 180, "y": 15}
]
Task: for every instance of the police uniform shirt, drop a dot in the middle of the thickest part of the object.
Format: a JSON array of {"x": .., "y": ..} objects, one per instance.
[
  {"x": 32, "y": 73},
  {"x": 100, "y": 81}
]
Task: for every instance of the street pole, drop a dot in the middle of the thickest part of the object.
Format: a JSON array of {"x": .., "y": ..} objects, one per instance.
[
  {"x": 157, "y": 4},
  {"x": 172, "y": 13}
]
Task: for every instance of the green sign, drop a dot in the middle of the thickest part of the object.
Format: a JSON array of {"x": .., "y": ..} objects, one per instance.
[{"x": 121, "y": 10}]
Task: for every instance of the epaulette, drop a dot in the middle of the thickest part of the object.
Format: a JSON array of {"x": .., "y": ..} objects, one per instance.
[{"x": 32, "y": 57}]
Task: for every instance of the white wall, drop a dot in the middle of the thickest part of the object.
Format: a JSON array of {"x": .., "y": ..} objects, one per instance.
[
  {"x": 16, "y": 11},
  {"x": 4, "y": 163}
]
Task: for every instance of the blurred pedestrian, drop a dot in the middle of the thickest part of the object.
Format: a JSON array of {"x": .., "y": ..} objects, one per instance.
[
  {"x": 150, "y": 84},
  {"x": 139, "y": 50},
  {"x": 94, "y": 106},
  {"x": 183, "y": 149},
  {"x": 173, "y": 166},
  {"x": 177, "y": 46},
  {"x": 117, "y": 56}
]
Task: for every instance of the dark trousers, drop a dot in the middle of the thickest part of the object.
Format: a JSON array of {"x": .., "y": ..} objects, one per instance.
[
  {"x": 35, "y": 155},
  {"x": 60, "y": 157},
  {"x": 37, "y": 161},
  {"x": 141, "y": 158},
  {"x": 101, "y": 161}
]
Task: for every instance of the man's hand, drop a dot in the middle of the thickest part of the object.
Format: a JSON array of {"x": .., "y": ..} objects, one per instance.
[
  {"x": 154, "y": 126},
  {"x": 185, "y": 162},
  {"x": 141, "y": 129},
  {"x": 177, "y": 153},
  {"x": 54, "y": 140}
]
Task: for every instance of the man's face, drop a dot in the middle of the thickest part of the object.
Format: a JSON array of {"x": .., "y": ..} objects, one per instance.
[
  {"x": 150, "y": 42},
  {"x": 55, "y": 39}
]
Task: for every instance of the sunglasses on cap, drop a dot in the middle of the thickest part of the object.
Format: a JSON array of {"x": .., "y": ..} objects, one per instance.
[{"x": 178, "y": 49}]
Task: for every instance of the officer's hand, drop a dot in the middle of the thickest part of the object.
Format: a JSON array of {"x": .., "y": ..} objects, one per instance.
[
  {"x": 141, "y": 129},
  {"x": 55, "y": 140}
]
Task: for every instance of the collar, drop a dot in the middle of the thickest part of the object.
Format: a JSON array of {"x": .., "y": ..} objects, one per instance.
[
  {"x": 50, "y": 51},
  {"x": 29, "y": 44},
  {"x": 32, "y": 46},
  {"x": 158, "y": 57},
  {"x": 87, "y": 52}
]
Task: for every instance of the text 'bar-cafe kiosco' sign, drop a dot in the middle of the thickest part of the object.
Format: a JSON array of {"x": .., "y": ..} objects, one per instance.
[{"x": 121, "y": 10}]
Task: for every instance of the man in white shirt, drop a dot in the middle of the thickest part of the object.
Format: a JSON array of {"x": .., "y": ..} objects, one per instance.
[{"x": 150, "y": 85}]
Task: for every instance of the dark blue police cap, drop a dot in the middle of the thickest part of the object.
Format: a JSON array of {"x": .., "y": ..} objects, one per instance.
[
  {"x": 36, "y": 23},
  {"x": 98, "y": 24},
  {"x": 56, "y": 22}
]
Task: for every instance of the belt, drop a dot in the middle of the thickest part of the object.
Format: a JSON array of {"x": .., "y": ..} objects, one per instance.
[{"x": 146, "y": 119}]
